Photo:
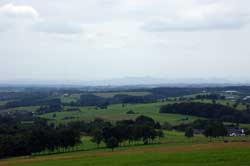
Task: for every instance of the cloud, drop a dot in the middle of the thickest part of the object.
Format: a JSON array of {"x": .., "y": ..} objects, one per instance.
[
  {"x": 211, "y": 16},
  {"x": 23, "y": 11},
  {"x": 16, "y": 16},
  {"x": 57, "y": 27}
]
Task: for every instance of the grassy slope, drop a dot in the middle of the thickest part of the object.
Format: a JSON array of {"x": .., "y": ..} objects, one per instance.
[
  {"x": 75, "y": 97},
  {"x": 28, "y": 108},
  {"x": 118, "y": 112},
  {"x": 172, "y": 138},
  {"x": 213, "y": 154},
  {"x": 71, "y": 98}
]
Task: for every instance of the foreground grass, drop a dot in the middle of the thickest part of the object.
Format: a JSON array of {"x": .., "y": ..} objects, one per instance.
[
  {"x": 213, "y": 154},
  {"x": 171, "y": 138}
]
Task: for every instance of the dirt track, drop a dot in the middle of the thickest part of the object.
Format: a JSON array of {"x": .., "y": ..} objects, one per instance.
[{"x": 197, "y": 147}]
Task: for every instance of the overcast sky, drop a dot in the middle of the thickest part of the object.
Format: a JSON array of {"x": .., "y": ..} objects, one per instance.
[{"x": 103, "y": 39}]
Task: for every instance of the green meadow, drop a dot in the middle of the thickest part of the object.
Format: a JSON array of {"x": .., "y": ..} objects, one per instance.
[
  {"x": 119, "y": 112},
  {"x": 213, "y": 154}
]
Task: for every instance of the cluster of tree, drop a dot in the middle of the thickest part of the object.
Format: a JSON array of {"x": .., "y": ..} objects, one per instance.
[
  {"x": 93, "y": 100},
  {"x": 54, "y": 106},
  {"x": 215, "y": 129},
  {"x": 211, "y": 129},
  {"x": 19, "y": 137},
  {"x": 32, "y": 101},
  {"x": 134, "y": 99},
  {"x": 10, "y": 95},
  {"x": 210, "y": 96},
  {"x": 207, "y": 110},
  {"x": 130, "y": 112},
  {"x": 165, "y": 92},
  {"x": 141, "y": 129}
]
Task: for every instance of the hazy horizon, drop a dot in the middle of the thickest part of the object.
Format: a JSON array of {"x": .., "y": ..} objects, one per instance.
[
  {"x": 129, "y": 81},
  {"x": 96, "y": 40}
]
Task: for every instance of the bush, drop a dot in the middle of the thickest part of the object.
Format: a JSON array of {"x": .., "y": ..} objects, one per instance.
[{"x": 130, "y": 112}]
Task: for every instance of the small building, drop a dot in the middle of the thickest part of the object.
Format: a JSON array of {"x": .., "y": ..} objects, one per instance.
[
  {"x": 246, "y": 98},
  {"x": 198, "y": 131},
  {"x": 65, "y": 95},
  {"x": 234, "y": 132}
]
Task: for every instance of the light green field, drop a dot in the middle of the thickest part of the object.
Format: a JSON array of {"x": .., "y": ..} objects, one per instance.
[
  {"x": 75, "y": 97},
  {"x": 70, "y": 98},
  {"x": 28, "y": 108},
  {"x": 4, "y": 102},
  {"x": 119, "y": 112}
]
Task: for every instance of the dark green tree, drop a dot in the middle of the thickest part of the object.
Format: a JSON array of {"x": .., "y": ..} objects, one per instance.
[
  {"x": 189, "y": 132},
  {"x": 97, "y": 136},
  {"x": 112, "y": 143}
]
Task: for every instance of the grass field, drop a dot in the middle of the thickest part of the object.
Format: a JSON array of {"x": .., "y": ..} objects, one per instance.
[
  {"x": 75, "y": 97},
  {"x": 28, "y": 108},
  {"x": 211, "y": 154},
  {"x": 3, "y": 102},
  {"x": 119, "y": 112},
  {"x": 173, "y": 150},
  {"x": 70, "y": 98},
  {"x": 171, "y": 138}
]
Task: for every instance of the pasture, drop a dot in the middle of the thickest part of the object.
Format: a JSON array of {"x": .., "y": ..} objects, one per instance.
[
  {"x": 119, "y": 112},
  {"x": 211, "y": 154},
  {"x": 170, "y": 139}
]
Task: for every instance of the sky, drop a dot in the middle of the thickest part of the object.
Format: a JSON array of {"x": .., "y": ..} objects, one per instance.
[{"x": 105, "y": 39}]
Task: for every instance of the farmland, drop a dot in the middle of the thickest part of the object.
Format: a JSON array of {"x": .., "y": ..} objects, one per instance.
[
  {"x": 124, "y": 83},
  {"x": 119, "y": 112},
  {"x": 215, "y": 154},
  {"x": 80, "y": 127}
]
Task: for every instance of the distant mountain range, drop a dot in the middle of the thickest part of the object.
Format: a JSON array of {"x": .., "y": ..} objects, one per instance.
[{"x": 131, "y": 81}]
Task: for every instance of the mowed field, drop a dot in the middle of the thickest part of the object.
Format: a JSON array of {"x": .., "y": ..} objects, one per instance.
[
  {"x": 211, "y": 154},
  {"x": 75, "y": 97},
  {"x": 119, "y": 112}
]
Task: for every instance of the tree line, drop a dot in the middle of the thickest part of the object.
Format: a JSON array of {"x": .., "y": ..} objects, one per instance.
[
  {"x": 142, "y": 129},
  {"x": 89, "y": 99},
  {"x": 210, "y": 97},
  {"x": 18, "y": 137},
  {"x": 208, "y": 110}
]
